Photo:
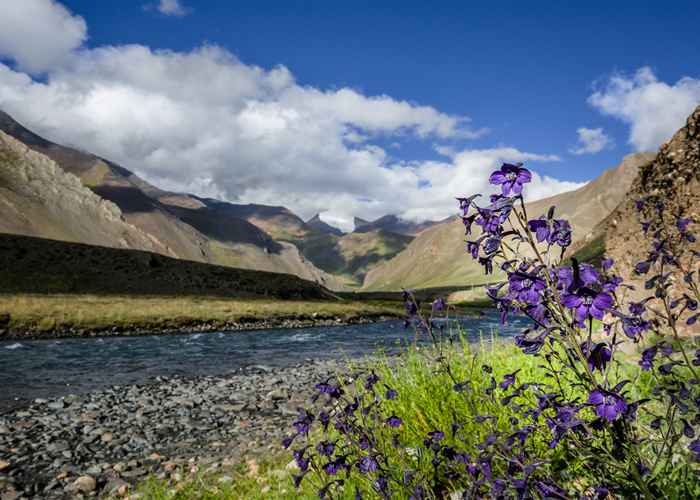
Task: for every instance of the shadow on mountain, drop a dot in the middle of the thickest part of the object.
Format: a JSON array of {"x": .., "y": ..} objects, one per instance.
[{"x": 37, "y": 265}]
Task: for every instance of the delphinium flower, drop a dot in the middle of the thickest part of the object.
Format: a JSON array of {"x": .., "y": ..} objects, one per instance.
[
  {"x": 526, "y": 288},
  {"x": 511, "y": 178},
  {"x": 608, "y": 405},
  {"x": 587, "y": 303}
]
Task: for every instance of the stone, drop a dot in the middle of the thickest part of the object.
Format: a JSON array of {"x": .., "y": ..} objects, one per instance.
[
  {"x": 84, "y": 484},
  {"x": 116, "y": 486},
  {"x": 56, "y": 405},
  {"x": 4, "y": 465},
  {"x": 107, "y": 437},
  {"x": 9, "y": 495}
]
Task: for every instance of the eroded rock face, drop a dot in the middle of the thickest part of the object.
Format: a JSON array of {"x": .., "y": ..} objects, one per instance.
[
  {"x": 674, "y": 177},
  {"x": 38, "y": 198}
]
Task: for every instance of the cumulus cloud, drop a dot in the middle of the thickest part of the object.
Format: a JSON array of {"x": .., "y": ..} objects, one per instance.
[
  {"x": 654, "y": 110},
  {"x": 205, "y": 122},
  {"x": 170, "y": 8},
  {"x": 39, "y": 34},
  {"x": 590, "y": 141}
]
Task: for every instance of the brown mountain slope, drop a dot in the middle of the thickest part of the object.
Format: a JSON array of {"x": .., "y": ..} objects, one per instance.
[
  {"x": 437, "y": 256},
  {"x": 673, "y": 176},
  {"x": 181, "y": 226},
  {"x": 37, "y": 198}
]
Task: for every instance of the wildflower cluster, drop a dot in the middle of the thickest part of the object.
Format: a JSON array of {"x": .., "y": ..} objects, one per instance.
[{"x": 591, "y": 428}]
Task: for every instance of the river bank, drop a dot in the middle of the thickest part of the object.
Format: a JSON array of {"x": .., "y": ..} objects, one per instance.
[
  {"x": 66, "y": 316},
  {"x": 102, "y": 442}
]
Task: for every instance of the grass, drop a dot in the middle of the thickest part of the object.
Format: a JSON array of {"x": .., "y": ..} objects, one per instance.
[
  {"x": 97, "y": 312},
  {"x": 426, "y": 402}
]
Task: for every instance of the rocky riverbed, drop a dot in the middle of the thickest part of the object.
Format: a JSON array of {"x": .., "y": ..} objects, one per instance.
[{"x": 98, "y": 444}]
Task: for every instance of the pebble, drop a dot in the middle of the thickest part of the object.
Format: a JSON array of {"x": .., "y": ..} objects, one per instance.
[
  {"x": 102, "y": 443},
  {"x": 84, "y": 484}
]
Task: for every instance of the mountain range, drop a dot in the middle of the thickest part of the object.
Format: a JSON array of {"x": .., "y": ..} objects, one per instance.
[{"x": 52, "y": 191}]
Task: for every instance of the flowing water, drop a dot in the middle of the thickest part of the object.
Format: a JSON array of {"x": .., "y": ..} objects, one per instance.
[{"x": 50, "y": 368}]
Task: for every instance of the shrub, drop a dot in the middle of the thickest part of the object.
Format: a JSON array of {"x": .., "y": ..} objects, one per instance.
[{"x": 585, "y": 423}]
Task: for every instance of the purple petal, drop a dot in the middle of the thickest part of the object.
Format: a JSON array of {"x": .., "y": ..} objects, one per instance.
[
  {"x": 603, "y": 301},
  {"x": 596, "y": 397},
  {"x": 524, "y": 175},
  {"x": 498, "y": 177},
  {"x": 571, "y": 301}
]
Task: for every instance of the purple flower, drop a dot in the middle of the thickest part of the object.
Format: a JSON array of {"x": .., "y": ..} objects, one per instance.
[
  {"x": 589, "y": 275},
  {"x": 390, "y": 393},
  {"x": 565, "y": 278},
  {"x": 647, "y": 359},
  {"x": 394, "y": 421},
  {"x": 371, "y": 379},
  {"x": 695, "y": 448},
  {"x": 439, "y": 304},
  {"x": 541, "y": 229},
  {"x": 608, "y": 405},
  {"x": 367, "y": 465},
  {"x": 508, "y": 379},
  {"x": 587, "y": 303},
  {"x": 607, "y": 264},
  {"x": 612, "y": 283},
  {"x": 511, "y": 178},
  {"x": 683, "y": 224},
  {"x": 598, "y": 357},
  {"x": 526, "y": 287},
  {"x": 561, "y": 233},
  {"x": 325, "y": 448},
  {"x": 634, "y": 326},
  {"x": 335, "y": 466},
  {"x": 642, "y": 267},
  {"x": 303, "y": 423}
]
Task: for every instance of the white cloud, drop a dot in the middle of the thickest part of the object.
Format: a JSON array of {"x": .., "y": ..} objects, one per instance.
[
  {"x": 172, "y": 8},
  {"x": 590, "y": 141},
  {"x": 654, "y": 110},
  {"x": 39, "y": 34},
  {"x": 204, "y": 122}
]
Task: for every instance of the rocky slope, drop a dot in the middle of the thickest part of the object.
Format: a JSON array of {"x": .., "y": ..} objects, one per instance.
[
  {"x": 37, "y": 198},
  {"x": 437, "y": 256},
  {"x": 673, "y": 176}
]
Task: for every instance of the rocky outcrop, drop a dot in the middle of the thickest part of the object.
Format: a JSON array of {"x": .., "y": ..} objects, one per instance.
[
  {"x": 38, "y": 198},
  {"x": 674, "y": 177}
]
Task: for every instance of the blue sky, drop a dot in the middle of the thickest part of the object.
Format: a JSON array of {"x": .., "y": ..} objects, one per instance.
[
  {"x": 526, "y": 71},
  {"x": 522, "y": 69}
]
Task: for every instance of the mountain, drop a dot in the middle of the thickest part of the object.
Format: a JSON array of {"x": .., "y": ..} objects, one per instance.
[
  {"x": 437, "y": 256},
  {"x": 673, "y": 176},
  {"x": 353, "y": 254},
  {"x": 178, "y": 225},
  {"x": 279, "y": 222},
  {"x": 318, "y": 226},
  {"x": 35, "y": 265},
  {"x": 393, "y": 224},
  {"x": 37, "y": 198}
]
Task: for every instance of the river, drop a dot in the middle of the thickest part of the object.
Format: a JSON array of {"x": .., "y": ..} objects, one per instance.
[{"x": 52, "y": 368}]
